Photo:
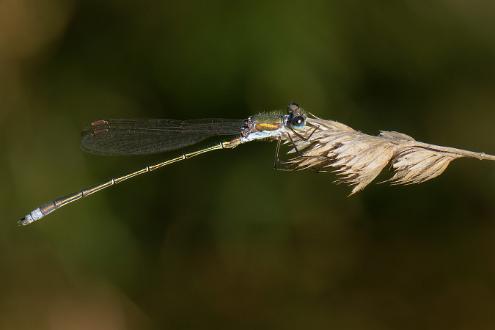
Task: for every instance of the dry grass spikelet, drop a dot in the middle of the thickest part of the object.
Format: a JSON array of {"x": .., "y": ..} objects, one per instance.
[{"x": 358, "y": 158}]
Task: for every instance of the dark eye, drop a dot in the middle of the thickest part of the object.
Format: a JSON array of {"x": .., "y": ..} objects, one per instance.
[{"x": 297, "y": 121}]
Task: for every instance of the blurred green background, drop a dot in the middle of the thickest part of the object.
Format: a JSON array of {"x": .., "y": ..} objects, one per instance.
[{"x": 224, "y": 241}]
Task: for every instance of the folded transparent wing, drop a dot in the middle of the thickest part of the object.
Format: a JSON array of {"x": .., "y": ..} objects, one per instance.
[{"x": 149, "y": 136}]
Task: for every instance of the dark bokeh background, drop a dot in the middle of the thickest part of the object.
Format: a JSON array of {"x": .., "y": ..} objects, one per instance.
[{"x": 223, "y": 241}]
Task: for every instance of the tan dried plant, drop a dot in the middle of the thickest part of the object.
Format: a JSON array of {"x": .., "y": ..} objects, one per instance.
[{"x": 358, "y": 158}]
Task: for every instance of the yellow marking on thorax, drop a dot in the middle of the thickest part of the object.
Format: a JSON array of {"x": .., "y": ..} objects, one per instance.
[{"x": 267, "y": 127}]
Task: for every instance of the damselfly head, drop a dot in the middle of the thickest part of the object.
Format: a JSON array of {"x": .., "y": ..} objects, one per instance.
[
  {"x": 296, "y": 118},
  {"x": 298, "y": 121}
]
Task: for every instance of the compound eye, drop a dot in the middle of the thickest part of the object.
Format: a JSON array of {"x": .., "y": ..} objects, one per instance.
[{"x": 297, "y": 121}]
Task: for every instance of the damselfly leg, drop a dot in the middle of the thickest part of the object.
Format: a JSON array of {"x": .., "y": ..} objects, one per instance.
[{"x": 282, "y": 165}]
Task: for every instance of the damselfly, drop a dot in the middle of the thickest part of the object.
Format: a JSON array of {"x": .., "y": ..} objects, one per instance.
[
  {"x": 149, "y": 136},
  {"x": 317, "y": 144}
]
